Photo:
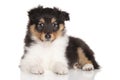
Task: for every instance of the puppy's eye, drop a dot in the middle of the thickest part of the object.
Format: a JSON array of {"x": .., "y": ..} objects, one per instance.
[
  {"x": 40, "y": 26},
  {"x": 55, "y": 25}
]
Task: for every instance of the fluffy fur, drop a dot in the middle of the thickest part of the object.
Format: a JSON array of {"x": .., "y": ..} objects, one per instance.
[{"x": 47, "y": 47}]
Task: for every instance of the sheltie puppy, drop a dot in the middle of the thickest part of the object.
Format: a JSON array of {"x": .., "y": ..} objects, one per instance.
[{"x": 47, "y": 47}]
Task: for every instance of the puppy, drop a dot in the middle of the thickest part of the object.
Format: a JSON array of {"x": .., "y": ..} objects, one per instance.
[{"x": 47, "y": 47}]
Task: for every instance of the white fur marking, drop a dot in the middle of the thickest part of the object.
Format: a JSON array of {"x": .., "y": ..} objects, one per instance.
[
  {"x": 88, "y": 67},
  {"x": 60, "y": 68},
  {"x": 37, "y": 70}
]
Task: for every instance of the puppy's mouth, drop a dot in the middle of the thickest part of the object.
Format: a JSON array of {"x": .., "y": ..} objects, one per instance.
[{"x": 47, "y": 40}]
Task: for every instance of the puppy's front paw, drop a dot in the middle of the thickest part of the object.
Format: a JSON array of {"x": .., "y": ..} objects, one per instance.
[
  {"x": 37, "y": 70},
  {"x": 88, "y": 67},
  {"x": 60, "y": 69}
]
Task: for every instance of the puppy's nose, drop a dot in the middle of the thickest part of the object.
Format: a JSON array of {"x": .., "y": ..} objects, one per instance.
[{"x": 47, "y": 36}]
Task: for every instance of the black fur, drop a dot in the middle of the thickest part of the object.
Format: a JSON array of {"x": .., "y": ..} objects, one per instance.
[
  {"x": 36, "y": 13},
  {"x": 28, "y": 39},
  {"x": 71, "y": 52}
]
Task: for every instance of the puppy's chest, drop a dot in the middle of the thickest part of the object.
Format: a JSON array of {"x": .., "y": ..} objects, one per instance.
[{"x": 47, "y": 52}]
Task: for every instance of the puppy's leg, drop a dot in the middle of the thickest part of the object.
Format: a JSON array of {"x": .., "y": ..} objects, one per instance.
[
  {"x": 83, "y": 61},
  {"x": 31, "y": 66},
  {"x": 36, "y": 69},
  {"x": 60, "y": 68}
]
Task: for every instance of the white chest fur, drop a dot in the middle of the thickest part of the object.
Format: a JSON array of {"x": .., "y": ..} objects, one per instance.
[{"x": 46, "y": 54}]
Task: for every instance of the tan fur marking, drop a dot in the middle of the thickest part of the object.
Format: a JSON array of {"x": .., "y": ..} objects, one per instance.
[
  {"x": 42, "y": 20},
  {"x": 42, "y": 37},
  {"x": 34, "y": 32},
  {"x": 53, "y": 20},
  {"x": 82, "y": 58},
  {"x": 61, "y": 27},
  {"x": 53, "y": 37}
]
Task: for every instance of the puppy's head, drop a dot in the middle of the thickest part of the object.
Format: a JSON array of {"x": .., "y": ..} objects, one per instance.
[{"x": 47, "y": 24}]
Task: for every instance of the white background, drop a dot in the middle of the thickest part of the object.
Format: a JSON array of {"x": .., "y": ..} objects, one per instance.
[{"x": 97, "y": 22}]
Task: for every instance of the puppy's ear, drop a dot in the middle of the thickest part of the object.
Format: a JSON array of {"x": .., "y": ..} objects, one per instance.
[
  {"x": 64, "y": 16},
  {"x": 33, "y": 13}
]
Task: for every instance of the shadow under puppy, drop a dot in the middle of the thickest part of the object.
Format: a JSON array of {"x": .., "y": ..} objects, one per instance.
[{"x": 48, "y": 47}]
